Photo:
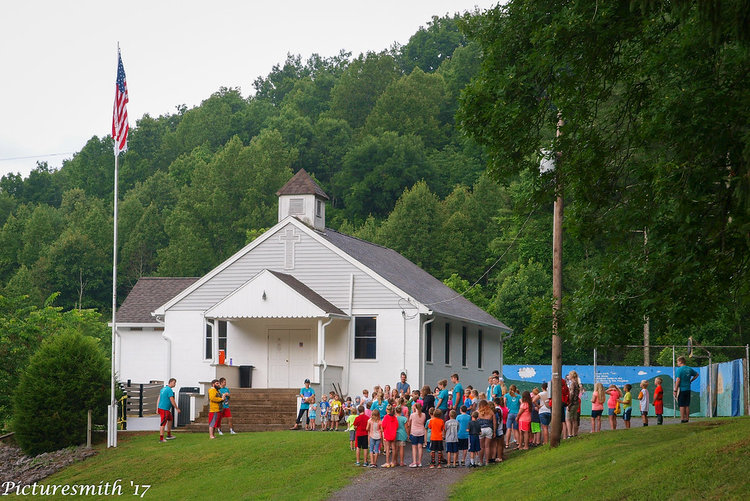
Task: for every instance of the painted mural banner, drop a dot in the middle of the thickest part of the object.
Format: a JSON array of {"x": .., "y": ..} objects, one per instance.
[
  {"x": 527, "y": 377},
  {"x": 726, "y": 377}
]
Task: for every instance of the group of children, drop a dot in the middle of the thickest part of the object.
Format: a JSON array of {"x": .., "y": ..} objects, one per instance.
[
  {"x": 455, "y": 439},
  {"x": 621, "y": 402},
  {"x": 477, "y": 430},
  {"x": 455, "y": 428},
  {"x": 330, "y": 409}
]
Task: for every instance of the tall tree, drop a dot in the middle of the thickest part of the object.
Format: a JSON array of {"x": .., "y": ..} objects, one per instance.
[
  {"x": 432, "y": 45},
  {"x": 377, "y": 170},
  {"x": 655, "y": 138},
  {"x": 414, "y": 104},
  {"x": 356, "y": 91},
  {"x": 234, "y": 193}
]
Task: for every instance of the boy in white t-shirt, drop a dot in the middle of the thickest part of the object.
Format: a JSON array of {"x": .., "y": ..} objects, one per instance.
[{"x": 643, "y": 399}]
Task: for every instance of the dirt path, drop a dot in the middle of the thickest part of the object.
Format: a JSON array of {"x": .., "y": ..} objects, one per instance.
[
  {"x": 413, "y": 483},
  {"x": 434, "y": 484}
]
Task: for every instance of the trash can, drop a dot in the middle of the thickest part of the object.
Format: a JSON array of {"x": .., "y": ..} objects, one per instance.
[
  {"x": 246, "y": 376},
  {"x": 183, "y": 401}
]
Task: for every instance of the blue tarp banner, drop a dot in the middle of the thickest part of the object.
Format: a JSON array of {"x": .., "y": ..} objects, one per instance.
[
  {"x": 728, "y": 375},
  {"x": 728, "y": 385},
  {"x": 526, "y": 377}
]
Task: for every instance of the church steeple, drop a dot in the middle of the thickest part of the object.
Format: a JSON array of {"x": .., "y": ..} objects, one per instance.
[{"x": 302, "y": 198}]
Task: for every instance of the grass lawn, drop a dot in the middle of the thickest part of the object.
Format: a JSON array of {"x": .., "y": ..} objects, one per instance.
[
  {"x": 709, "y": 459},
  {"x": 278, "y": 465}
]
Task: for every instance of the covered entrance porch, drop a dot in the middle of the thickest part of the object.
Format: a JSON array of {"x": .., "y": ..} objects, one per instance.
[{"x": 284, "y": 329}]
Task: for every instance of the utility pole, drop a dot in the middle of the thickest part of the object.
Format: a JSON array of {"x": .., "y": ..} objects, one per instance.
[{"x": 557, "y": 243}]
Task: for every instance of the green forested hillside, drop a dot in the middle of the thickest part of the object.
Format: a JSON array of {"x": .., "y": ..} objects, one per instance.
[{"x": 379, "y": 132}]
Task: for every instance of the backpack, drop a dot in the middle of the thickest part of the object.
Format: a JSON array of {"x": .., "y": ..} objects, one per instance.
[{"x": 565, "y": 394}]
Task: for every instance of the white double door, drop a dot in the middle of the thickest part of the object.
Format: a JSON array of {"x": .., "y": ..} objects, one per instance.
[{"x": 290, "y": 357}]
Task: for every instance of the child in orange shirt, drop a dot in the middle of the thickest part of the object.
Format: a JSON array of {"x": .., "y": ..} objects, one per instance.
[
  {"x": 437, "y": 425},
  {"x": 659, "y": 402}
]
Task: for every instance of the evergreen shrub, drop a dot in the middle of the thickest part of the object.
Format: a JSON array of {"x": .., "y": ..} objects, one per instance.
[{"x": 68, "y": 375}]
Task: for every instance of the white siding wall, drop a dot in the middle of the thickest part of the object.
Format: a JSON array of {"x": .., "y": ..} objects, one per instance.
[
  {"x": 471, "y": 374},
  {"x": 391, "y": 358},
  {"x": 316, "y": 266},
  {"x": 185, "y": 328},
  {"x": 142, "y": 355}
]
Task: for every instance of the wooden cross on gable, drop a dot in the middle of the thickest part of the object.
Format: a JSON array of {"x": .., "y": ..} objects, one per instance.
[{"x": 289, "y": 238}]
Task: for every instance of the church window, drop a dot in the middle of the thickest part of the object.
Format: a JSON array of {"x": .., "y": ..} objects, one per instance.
[
  {"x": 447, "y": 343},
  {"x": 479, "y": 348},
  {"x": 428, "y": 343},
  {"x": 223, "y": 335},
  {"x": 209, "y": 352},
  {"x": 463, "y": 346},
  {"x": 365, "y": 337},
  {"x": 297, "y": 206}
]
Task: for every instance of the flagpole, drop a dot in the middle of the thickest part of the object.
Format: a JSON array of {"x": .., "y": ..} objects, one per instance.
[
  {"x": 112, "y": 413},
  {"x": 112, "y": 409}
]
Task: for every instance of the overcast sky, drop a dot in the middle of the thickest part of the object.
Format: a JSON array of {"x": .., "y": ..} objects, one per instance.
[{"x": 58, "y": 58}]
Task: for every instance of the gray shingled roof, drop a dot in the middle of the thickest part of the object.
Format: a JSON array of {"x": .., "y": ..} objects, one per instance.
[
  {"x": 411, "y": 279},
  {"x": 147, "y": 295},
  {"x": 308, "y": 293},
  {"x": 302, "y": 184}
]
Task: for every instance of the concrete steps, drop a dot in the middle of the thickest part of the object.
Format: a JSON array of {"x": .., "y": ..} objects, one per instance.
[{"x": 266, "y": 409}]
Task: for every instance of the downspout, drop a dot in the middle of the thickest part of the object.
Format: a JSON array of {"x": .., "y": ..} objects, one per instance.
[
  {"x": 160, "y": 319},
  {"x": 403, "y": 364},
  {"x": 169, "y": 354},
  {"x": 350, "y": 334},
  {"x": 322, "y": 332},
  {"x": 422, "y": 354}
]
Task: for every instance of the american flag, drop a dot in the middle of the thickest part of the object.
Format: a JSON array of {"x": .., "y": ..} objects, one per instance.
[{"x": 120, "y": 115}]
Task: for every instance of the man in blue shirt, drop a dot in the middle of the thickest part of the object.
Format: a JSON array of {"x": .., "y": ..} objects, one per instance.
[
  {"x": 166, "y": 402},
  {"x": 403, "y": 387},
  {"x": 684, "y": 375},
  {"x": 305, "y": 393},
  {"x": 458, "y": 392}
]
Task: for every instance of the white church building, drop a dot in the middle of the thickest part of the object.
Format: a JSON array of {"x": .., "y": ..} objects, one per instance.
[{"x": 303, "y": 301}]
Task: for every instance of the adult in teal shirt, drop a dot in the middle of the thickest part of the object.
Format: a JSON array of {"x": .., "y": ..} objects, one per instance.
[
  {"x": 305, "y": 392},
  {"x": 164, "y": 405},
  {"x": 442, "y": 397},
  {"x": 684, "y": 375},
  {"x": 458, "y": 393}
]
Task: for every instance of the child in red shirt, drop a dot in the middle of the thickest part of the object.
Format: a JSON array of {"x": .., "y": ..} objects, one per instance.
[
  {"x": 390, "y": 427},
  {"x": 437, "y": 425},
  {"x": 659, "y": 401},
  {"x": 360, "y": 433}
]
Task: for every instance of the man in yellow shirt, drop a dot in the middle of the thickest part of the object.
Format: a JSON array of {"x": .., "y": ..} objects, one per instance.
[{"x": 215, "y": 399}]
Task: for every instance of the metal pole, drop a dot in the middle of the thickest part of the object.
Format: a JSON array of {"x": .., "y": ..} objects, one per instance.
[
  {"x": 112, "y": 412},
  {"x": 595, "y": 377},
  {"x": 710, "y": 388},
  {"x": 557, "y": 244},
  {"x": 674, "y": 399}
]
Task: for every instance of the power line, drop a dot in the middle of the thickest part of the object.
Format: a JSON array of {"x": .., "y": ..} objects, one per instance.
[
  {"x": 493, "y": 264},
  {"x": 38, "y": 156}
]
